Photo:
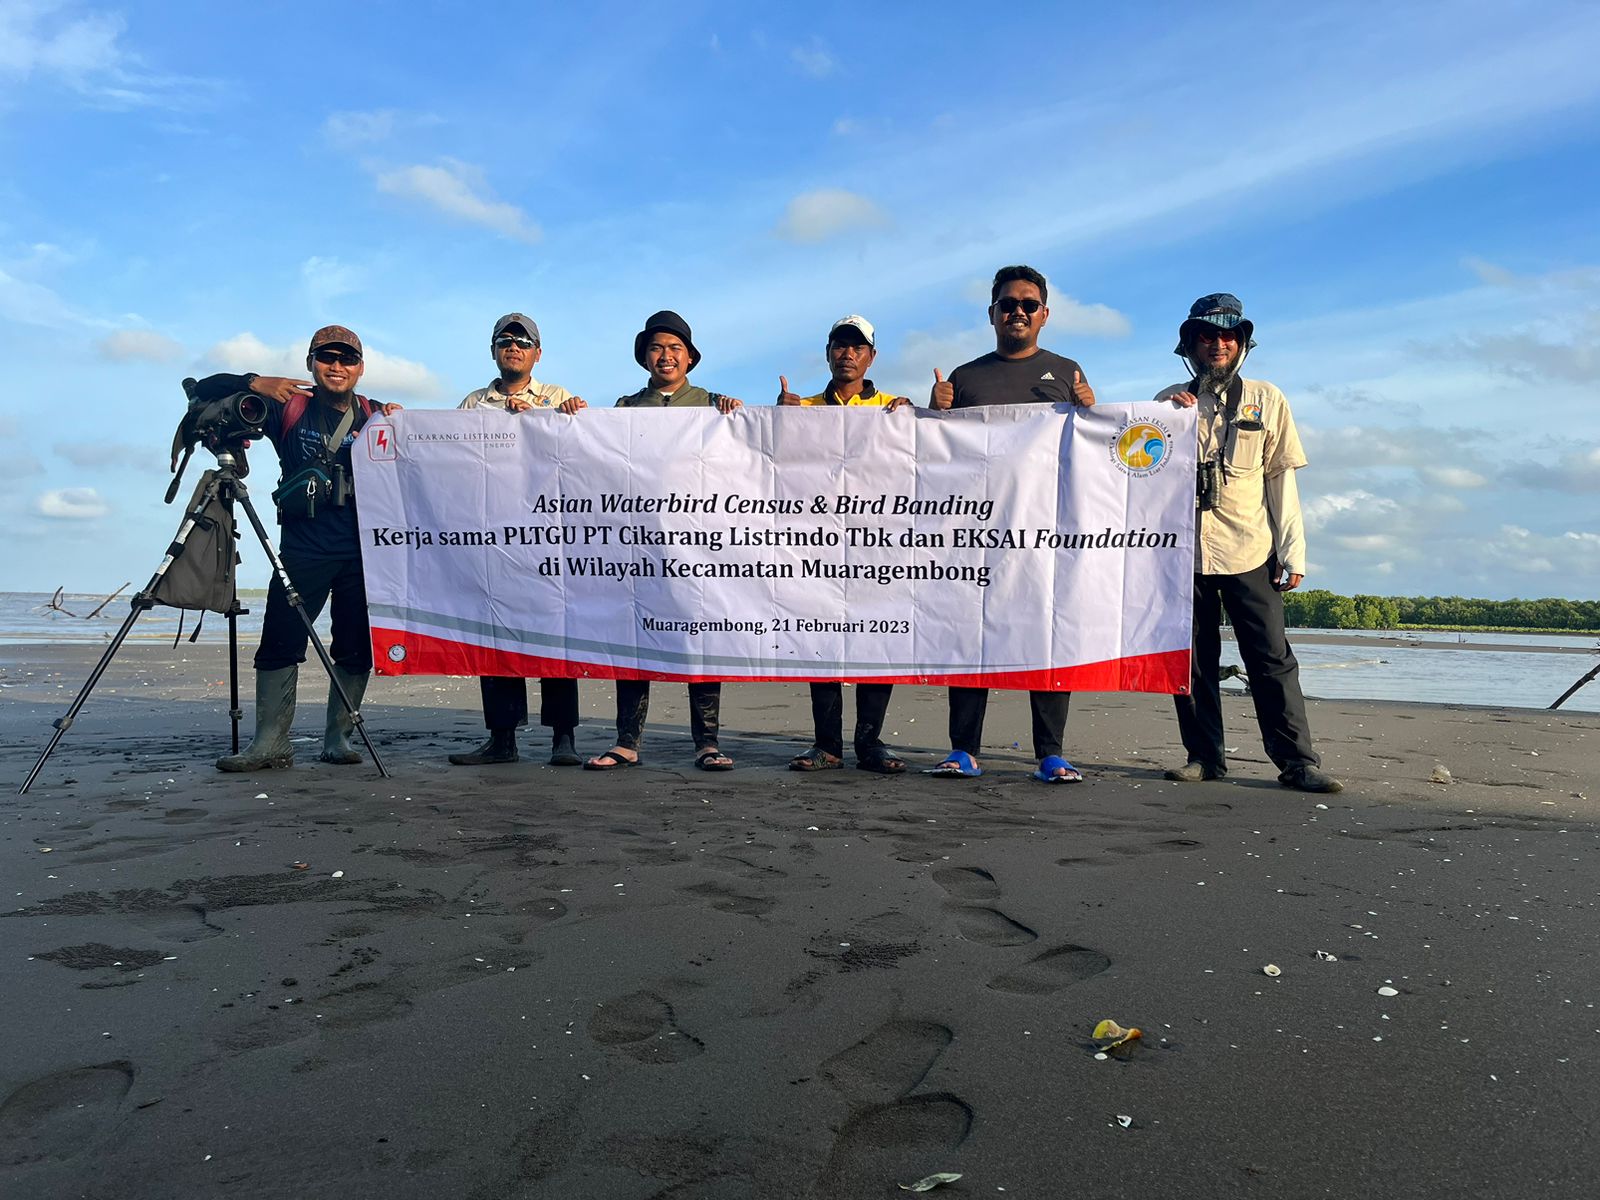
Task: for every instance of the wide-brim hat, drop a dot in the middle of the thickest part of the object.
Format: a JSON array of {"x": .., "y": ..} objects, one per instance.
[
  {"x": 1220, "y": 310},
  {"x": 669, "y": 322}
]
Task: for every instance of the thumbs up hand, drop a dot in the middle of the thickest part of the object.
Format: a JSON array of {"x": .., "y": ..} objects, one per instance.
[
  {"x": 785, "y": 396},
  {"x": 1081, "y": 391},
  {"x": 944, "y": 392}
]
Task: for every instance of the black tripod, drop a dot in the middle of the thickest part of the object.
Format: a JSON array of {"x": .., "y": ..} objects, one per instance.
[{"x": 221, "y": 487}]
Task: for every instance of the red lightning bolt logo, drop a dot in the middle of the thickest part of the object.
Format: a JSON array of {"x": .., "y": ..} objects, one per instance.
[{"x": 383, "y": 440}]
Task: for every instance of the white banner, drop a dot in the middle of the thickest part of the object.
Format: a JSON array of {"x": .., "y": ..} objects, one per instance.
[{"x": 1010, "y": 546}]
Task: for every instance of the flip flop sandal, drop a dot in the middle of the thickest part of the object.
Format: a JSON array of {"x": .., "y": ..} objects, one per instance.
[
  {"x": 815, "y": 759},
  {"x": 881, "y": 762},
  {"x": 1053, "y": 763},
  {"x": 713, "y": 760},
  {"x": 958, "y": 764},
  {"x": 609, "y": 762}
]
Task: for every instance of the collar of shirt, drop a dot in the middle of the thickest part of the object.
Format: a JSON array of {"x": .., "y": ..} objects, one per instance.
[
  {"x": 832, "y": 397},
  {"x": 531, "y": 392}
]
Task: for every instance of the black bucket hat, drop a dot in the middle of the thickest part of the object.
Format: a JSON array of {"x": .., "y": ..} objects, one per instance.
[
  {"x": 1222, "y": 311},
  {"x": 670, "y": 322}
]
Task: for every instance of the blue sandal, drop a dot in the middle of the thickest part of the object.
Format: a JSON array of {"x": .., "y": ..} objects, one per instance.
[
  {"x": 957, "y": 764},
  {"x": 1053, "y": 763}
]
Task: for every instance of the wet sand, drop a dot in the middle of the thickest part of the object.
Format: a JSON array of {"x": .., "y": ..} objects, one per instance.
[{"x": 542, "y": 982}]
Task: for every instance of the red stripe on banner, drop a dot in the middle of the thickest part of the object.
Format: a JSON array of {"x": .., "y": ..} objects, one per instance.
[{"x": 395, "y": 652}]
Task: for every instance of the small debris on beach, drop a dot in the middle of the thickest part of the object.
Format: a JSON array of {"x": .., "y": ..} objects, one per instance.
[
  {"x": 300, "y": 866},
  {"x": 1124, "y": 1120},
  {"x": 1272, "y": 969},
  {"x": 261, "y": 795},
  {"x": 1120, "y": 1036},
  {"x": 338, "y": 875},
  {"x": 1440, "y": 775},
  {"x": 1324, "y": 956},
  {"x": 1388, "y": 991},
  {"x": 930, "y": 1182}
]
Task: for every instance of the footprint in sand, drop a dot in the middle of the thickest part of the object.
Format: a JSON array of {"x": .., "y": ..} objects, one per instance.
[
  {"x": 1056, "y": 968},
  {"x": 1132, "y": 850},
  {"x": 58, "y": 1116},
  {"x": 887, "y": 1143},
  {"x": 643, "y": 1026},
  {"x": 889, "y": 1062},
  {"x": 725, "y": 899},
  {"x": 977, "y": 922}
]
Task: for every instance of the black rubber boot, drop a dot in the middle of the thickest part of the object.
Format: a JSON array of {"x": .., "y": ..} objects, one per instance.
[
  {"x": 336, "y": 747},
  {"x": 500, "y": 748},
  {"x": 269, "y": 750},
  {"x": 564, "y": 749}
]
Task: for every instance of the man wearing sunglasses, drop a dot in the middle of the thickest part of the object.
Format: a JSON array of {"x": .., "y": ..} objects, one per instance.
[
  {"x": 313, "y": 425},
  {"x": 1018, "y": 371},
  {"x": 514, "y": 345},
  {"x": 1249, "y": 549}
]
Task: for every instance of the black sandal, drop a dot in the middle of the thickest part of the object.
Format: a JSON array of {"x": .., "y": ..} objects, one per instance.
[
  {"x": 609, "y": 761},
  {"x": 713, "y": 760},
  {"x": 881, "y": 762}
]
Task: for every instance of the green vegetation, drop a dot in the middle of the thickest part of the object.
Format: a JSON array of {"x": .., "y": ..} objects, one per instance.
[{"x": 1322, "y": 609}]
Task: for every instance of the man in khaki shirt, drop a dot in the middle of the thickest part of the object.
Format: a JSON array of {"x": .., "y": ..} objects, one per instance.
[
  {"x": 515, "y": 347},
  {"x": 1250, "y": 547}
]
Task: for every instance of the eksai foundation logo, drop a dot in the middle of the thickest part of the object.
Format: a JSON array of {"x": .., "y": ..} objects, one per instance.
[{"x": 1141, "y": 448}]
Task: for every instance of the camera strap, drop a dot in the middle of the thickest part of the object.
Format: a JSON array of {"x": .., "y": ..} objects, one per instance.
[{"x": 1231, "y": 399}]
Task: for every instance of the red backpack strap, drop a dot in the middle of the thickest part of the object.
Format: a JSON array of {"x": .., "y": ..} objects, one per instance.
[{"x": 293, "y": 409}]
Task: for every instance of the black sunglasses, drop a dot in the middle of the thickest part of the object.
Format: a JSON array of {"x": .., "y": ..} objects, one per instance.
[
  {"x": 1009, "y": 304},
  {"x": 511, "y": 339},
  {"x": 329, "y": 356}
]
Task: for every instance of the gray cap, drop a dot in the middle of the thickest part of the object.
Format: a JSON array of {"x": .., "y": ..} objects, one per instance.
[{"x": 526, "y": 322}]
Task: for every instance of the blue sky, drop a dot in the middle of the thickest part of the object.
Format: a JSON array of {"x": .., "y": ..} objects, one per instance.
[{"x": 1407, "y": 206}]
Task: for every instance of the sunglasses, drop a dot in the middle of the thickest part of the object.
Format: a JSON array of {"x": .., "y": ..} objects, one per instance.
[
  {"x": 506, "y": 340},
  {"x": 1010, "y": 304},
  {"x": 1210, "y": 333},
  {"x": 329, "y": 356}
]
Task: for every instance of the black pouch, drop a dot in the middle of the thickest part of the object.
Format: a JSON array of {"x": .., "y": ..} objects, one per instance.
[{"x": 300, "y": 496}]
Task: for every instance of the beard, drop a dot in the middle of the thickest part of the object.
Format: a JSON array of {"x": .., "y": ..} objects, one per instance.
[{"x": 1216, "y": 379}]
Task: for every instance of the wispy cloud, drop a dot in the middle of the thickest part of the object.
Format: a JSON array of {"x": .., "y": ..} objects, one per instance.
[
  {"x": 827, "y": 213},
  {"x": 110, "y": 454},
  {"x": 814, "y": 59},
  {"x": 1088, "y": 320},
  {"x": 139, "y": 345},
  {"x": 327, "y": 278},
  {"x": 71, "y": 504},
  {"x": 348, "y": 128},
  {"x": 459, "y": 190},
  {"x": 84, "y": 51}
]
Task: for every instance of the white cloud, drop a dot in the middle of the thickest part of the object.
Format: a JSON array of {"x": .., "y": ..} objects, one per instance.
[
  {"x": 1452, "y": 477},
  {"x": 459, "y": 190},
  {"x": 826, "y": 213},
  {"x": 814, "y": 59},
  {"x": 847, "y": 127},
  {"x": 84, "y": 51},
  {"x": 34, "y": 304},
  {"x": 1090, "y": 320},
  {"x": 326, "y": 279},
  {"x": 71, "y": 504},
  {"x": 386, "y": 377},
  {"x": 139, "y": 345},
  {"x": 345, "y": 128}
]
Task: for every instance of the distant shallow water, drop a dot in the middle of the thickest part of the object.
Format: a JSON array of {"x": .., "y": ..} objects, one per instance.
[{"x": 1451, "y": 669}]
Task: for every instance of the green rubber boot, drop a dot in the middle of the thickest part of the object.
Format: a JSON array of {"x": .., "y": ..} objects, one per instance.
[
  {"x": 269, "y": 750},
  {"x": 336, "y": 747}
]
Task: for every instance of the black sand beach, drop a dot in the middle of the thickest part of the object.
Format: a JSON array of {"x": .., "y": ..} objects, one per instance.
[{"x": 528, "y": 981}]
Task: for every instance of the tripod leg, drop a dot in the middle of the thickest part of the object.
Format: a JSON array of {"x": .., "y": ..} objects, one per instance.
[
  {"x": 141, "y": 603},
  {"x": 335, "y": 687}
]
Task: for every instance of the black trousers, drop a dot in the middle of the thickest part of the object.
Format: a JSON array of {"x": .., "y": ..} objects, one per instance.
[
  {"x": 968, "y": 706},
  {"x": 633, "y": 706},
  {"x": 827, "y": 716},
  {"x": 505, "y": 702},
  {"x": 1256, "y": 609},
  {"x": 283, "y": 634}
]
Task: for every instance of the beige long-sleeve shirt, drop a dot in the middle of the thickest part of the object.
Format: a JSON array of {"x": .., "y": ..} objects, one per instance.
[
  {"x": 1258, "y": 513},
  {"x": 538, "y": 395}
]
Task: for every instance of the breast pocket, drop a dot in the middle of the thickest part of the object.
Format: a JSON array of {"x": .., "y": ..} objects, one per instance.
[{"x": 1245, "y": 447}]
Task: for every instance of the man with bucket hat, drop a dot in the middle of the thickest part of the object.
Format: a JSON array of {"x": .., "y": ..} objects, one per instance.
[
  {"x": 1249, "y": 548},
  {"x": 514, "y": 346},
  {"x": 665, "y": 349}
]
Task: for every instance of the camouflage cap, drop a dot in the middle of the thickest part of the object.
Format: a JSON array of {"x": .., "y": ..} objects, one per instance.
[{"x": 334, "y": 335}]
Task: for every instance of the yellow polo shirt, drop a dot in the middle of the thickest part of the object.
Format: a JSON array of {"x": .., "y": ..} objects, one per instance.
[{"x": 870, "y": 396}]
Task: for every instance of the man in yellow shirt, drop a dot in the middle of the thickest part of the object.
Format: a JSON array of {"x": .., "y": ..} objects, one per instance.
[{"x": 851, "y": 349}]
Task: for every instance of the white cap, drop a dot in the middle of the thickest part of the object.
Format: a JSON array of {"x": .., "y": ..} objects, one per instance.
[{"x": 860, "y": 324}]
